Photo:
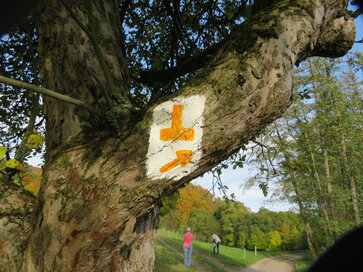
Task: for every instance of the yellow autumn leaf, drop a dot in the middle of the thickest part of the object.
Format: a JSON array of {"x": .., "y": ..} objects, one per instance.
[
  {"x": 33, "y": 187},
  {"x": 13, "y": 163},
  {"x": 2, "y": 164},
  {"x": 3, "y": 151},
  {"x": 35, "y": 140}
]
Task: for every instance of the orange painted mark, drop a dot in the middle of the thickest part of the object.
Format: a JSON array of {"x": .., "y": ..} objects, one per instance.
[
  {"x": 176, "y": 131},
  {"x": 183, "y": 157}
]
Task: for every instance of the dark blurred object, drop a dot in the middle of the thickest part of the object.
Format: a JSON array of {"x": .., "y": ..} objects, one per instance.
[
  {"x": 344, "y": 255},
  {"x": 14, "y": 12},
  {"x": 261, "y": 4},
  {"x": 359, "y": 11}
]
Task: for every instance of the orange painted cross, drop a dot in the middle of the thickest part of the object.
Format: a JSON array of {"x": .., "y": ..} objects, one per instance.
[
  {"x": 183, "y": 157},
  {"x": 176, "y": 131}
]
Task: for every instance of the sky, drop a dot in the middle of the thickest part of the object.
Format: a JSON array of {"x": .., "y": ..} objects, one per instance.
[{"x": 252, "y": 198}]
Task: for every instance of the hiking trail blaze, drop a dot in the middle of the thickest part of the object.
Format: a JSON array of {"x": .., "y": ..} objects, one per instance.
[{"x": 175, "y": 137}]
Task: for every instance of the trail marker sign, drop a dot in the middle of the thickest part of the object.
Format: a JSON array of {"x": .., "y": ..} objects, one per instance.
[{"x": 175, "y": 137}]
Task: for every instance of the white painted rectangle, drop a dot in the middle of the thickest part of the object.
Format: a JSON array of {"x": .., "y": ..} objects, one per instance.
[{"x": 176, "y": 131}]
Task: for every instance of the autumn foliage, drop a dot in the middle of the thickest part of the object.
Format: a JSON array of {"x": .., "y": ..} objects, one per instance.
[{"x": 235, "y": 224}]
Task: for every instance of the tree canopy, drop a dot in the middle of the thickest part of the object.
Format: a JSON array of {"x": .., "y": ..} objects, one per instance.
[{"x": 314, "y": 148}]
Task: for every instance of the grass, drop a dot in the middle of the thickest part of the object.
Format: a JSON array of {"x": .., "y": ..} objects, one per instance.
[
  {"x": 167, "y": 260},
  {"x": 303, "y": 264},
  {"x": 231, "y": 257},
  {"x": 173, "y": 262}
]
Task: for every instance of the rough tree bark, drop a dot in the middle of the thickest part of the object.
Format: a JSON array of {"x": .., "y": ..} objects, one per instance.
[{"x": 98, "y": 210}]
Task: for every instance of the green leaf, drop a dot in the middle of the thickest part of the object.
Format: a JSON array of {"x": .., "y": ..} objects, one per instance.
[
  {"x": 35, "y": 140},
  {"x": 13, "y": 163},
  {"x": 264, "y": 188},
  {"x": 3, "y": 151},
  {"x": 2, "y": 164},
  {"x": 229, "y": 15}
]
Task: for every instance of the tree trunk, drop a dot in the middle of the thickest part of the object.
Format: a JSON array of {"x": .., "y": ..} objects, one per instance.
[
  {"x": 15, "y": 213},
  {"x": 329, "y": 183},
  {"x": 309, "y": 231},
  {"x": 290, "y": 171},
  {"x": 322, "y": 199},
  {"x": 99, "y": 201},
  {"x": 329, "y": 180},
  {"x": 351, "y": 178}
]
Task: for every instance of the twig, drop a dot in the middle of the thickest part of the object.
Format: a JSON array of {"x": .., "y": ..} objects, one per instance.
[{"x": 268, "y": 154}]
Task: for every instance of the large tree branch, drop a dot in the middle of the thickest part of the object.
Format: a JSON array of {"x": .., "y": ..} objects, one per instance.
[
  {"x": 50, "y": 93},
  {"x": 247, "y": 83},
  {"x": 188, "y": 65}
]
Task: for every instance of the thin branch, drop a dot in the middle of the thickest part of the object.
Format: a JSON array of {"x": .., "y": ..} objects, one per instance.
[
  {"x": 268, "y": 154},
  {"x": 123, "y": 9},
  {"x": 45, "y": 91},
  {"x": 181, "y": 23},
  {"x": 176, "y": 23}
]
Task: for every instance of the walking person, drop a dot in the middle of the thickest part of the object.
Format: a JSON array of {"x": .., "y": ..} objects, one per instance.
[
  {"x": 215, "y": 242},
  {"x": 188, "y": 247}
]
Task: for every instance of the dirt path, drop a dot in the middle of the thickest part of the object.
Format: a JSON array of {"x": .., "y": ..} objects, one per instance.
[
  {"x": 216, "y": 262},
  {"x": 280, "y": 263}
]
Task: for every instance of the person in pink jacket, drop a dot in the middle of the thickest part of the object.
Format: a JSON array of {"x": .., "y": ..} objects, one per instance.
[{"x": 188, "y": 247}]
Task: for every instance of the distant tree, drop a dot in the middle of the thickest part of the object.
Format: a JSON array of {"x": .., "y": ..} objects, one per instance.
[
  {"x": 234, "y": 219},
  {"x": 274, "y": 240},
  {"x": 192, "y": 206},
  {"x": 257, "y": 239}
]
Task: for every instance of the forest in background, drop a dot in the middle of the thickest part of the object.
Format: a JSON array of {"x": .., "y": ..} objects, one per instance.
[
  {"x": 234, "y": 223},
  {"x": 314, "y": 152}
]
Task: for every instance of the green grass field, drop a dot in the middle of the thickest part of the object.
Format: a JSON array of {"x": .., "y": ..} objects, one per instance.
[
  {"x": 303, "y": 264},
  {"x": 168, "y": 260}
]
